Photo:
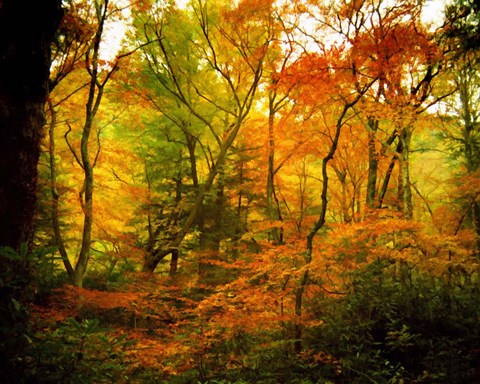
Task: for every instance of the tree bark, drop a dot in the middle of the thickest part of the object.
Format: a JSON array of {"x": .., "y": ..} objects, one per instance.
[
  {"x": 318, "y": 225},
  {"x": 273, "y": 211},
  {"x": 27, "y": 30},
  {"x": 372, "y": 164},
  {"x": 95, "y": 95},
  {"x": 173, "y": 262},
  {"x": 238, "y": 107},
  {"x": 470, "y": 120},
  {"x": 151, "y": 263},
  {"x": 55, "y": 216},
  {"x": 388, "y": 174},
  {"x": 404, "y": 187}
]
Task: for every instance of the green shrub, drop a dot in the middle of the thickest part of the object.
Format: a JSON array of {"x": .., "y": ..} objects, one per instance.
[
  {"x": 16, "y": 293},
  {"x": 78, "y": 352},
  {"x": 396, "y": 324}
]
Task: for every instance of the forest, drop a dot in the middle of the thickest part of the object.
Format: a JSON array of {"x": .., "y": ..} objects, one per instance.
[{"x": 244, "y": 191}]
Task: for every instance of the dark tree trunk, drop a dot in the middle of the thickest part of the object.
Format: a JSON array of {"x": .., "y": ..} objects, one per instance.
[
  {"x": 476, "y": 223},
  {"x": 55, "y": 216},
  {"x": 212, "y": 236},
  {"x": 372, "y": 163},
  {"x": 404, "y": 186},
  {"x": 27, "y": 29},
  {"x": 298, "y": 330},
  {"x": 273, "y": 211},
  {"x": 174, "y": 262},
  {"x": 388, "y": 174}
]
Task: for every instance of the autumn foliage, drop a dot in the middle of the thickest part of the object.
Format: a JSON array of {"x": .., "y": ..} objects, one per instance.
[{"x": 252, "y": 192}]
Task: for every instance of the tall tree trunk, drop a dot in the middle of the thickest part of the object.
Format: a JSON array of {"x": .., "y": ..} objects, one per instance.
[
  {"x": 27, "y": 30},
  {"x": 241, "y": 212},
  {"x": 318, "y": 225},
  {"x": 344, "y": 204},
  {"x": 388, "y": 175},
  {"x": 212, "y": 236},
  {"x": 94, "y": 100},
  {"x": 322, "y": 216},
  {"x": 373, "y": 156},
  {"x": 173, "y": 262},
  {"x": 476, "y": 223},
  {"x": 470, "y": 118},
  {"x": 404, "y": 187},
  {"x": 86, "y": 197},
  {"x": 54, "y": 192},
  {"x": 273, "y": 212}
]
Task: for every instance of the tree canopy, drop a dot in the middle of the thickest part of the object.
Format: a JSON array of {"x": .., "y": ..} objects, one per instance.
[{"x": 232, "y": 192}]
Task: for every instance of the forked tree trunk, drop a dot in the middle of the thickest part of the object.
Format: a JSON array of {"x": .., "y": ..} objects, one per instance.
[
  {"x": 86, "y": 160},
  {"x": 299, "y": 292}
]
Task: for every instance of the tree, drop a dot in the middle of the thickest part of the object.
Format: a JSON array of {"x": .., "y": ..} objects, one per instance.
[
  {"x": 406, "y": 60},
  {"x": 27, "y": 31},
  {"x": 236, "y": 73},
  {"x": 461, "y": 132},
  {"x": 84, "y": 46},
  {"x": 313, "y": 73},
  {"x": 277, "y": 102},
  {"x": 369, "y": 51},
  {"x": 461, "y": 36},
  {"x": 462, "y": 24}
]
